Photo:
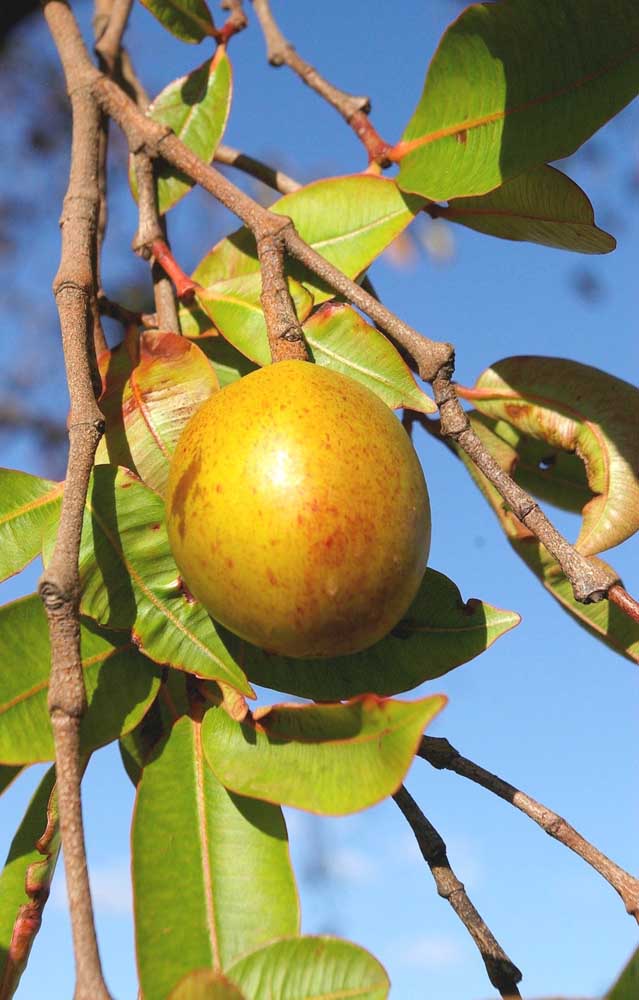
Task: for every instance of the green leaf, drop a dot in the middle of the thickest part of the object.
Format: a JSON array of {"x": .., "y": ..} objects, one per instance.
[
  {"x": 204, "y": 860},
  {"x": 330, "y": 759},
  {"x": 120, "y": 684},
  {"x": 8, "y": 776},
  {"x": 235, "y": 308},
  {"x": 315, "y": 968},
  {"x": 228, "y": 363},
  {"x": 627, "y": 986},
  {"x": 189, "y": 20},
  {"x": 438, "y": 633},
  {"x": 25, "y": 882},
  {"x": 195, "y": 108},
  {"x": 172, "y": 701},
  {"x": 27, "y": 505},
  {"x": 152, "y": 386},
  {"x": 130, "y": 581},
  {"x": 575, "y": 408},
  {"x": 604, "y": 619},
  {"x": 514, "y": 85},
  {"x": 542, "y": 206},
  {"x": 339, "y": 338},
  {"x": 205, "y": 985},
  {"x": 348, "y": 220}
]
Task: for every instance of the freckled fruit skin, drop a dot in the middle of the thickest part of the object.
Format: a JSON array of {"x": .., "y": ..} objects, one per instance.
[{"x": 298, "y": 513}]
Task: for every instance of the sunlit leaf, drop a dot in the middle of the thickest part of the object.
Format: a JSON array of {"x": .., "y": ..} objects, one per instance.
[
  {"x": 438, "y": 633},
  {"x": 27, "y": 505},
  {"x": 25, "y": 881},
  {"x": 189, "y": 20},
  {"x": 195, "y": 108},
  {"x": 348, "y": 220},
  {"x": 604, "y": 619},
  {"x": 228, "y": 363},
  {"x": 575, "y": 408},
  {"x": 339, "y": 338},
  {"x": 151, "y": 390},
  {"x": 211, "y": 870},
  {"x": 541, "y": 206},
  {"x": 332, "y": 759},
  {"x": 204, "y": 984},
  {"x": 235, "y": 308},
  {"x": 130, "y": 581},
  {"x": 315, "y": 968},
  {"x": 119, "y": 681},
  {"x": 514, "y": 85}
]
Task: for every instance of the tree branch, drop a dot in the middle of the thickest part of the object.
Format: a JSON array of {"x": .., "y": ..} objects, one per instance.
[
  {"x": 256, "y": 168},
  {"x": 503, "y": 974},
  {"x": 75, "y": 291},
  {"x": 150, "y": 231},
  {"x": 629, "y": 605},
  {"x": 354, "y": 110},
  {"x": 285, "y": 336},
  {"x": 443, "y": 756}
]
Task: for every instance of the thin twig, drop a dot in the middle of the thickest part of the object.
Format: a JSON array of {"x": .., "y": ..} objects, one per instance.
[
  {"x": 354, "y": 110},
  {"x": 150, "y": 231},
  {"x": 235, "y": 22},
  {"x": 628, "y": 604},
  {"x": 125, "y": 316},
  {"x": 443, "y": 756},
  {"x": 256, "y": 168},
  {"x": 503, "y": 974},
  {"x": 109, "y": 32},
  {"x": 75, "y": 290}
]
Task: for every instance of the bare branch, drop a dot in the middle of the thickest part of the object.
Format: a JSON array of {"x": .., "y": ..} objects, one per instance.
[
  {"x": 503, "y": 974},
  {"x": 629, "y": 605},
  {"x": 443, "y": 756},
  {"x": 75, "y": 292},
  {"x": 261, "y": 171},
  {"x": 354, "y": 110},
  {"x": 109, "y": 31},
  {"x": 150, "y": 230}
]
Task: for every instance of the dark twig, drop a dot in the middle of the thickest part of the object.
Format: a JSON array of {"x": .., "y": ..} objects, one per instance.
[
  {"x": 151, "y": 232},
  {"x": 354, "y": 110},
  {"x": 125, "y": 316},
  {"x": 261, "y": 171},
  {"x": 75, "y": 291},
  {"x": 443, "y": 756},
  {"x": 502, "y": 973},
  {"x": 285, "y": 336}
]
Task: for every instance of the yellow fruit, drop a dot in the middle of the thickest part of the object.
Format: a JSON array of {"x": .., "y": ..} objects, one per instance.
[{"x": 298, "y": 513}]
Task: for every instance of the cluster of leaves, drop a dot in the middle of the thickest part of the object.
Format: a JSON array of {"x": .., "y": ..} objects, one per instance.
[{"x": 167, "y": 681}]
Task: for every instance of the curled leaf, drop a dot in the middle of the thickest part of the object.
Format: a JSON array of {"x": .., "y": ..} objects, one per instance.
[{"x": 577, "y": 409}]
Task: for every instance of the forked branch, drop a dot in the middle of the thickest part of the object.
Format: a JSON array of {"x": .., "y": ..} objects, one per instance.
[{"x": 443, "y": 756}]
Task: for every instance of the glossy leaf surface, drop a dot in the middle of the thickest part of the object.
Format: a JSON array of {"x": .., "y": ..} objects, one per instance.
[
  {"x": 211, "y": 870},
  {"x": 604, "y": 619},
  {"x": 235, "y": 308},
  {"x": 195, "y": 108},
  {"x": 329, "y": 759},
  {"x": 438, "y": 633},
  {"x": 152, "y": 387},
  {"x": 205, "y": 985},
  {"x": 189, "y": 20},
  {"x": 514, "y": 85},
  {"x": 339, "y": 338},
  {"x": 541, "y": 206},
  {"x": 130, "y": 581},
  {"x": 348, "y": 220},
  {"x": 315, "y": 968},
  {"x": 27, "y": 505},
  {"x": 25, "y": 881},
  {"x": 120, "y": 684},
  {"x": 575, "y": 408}
]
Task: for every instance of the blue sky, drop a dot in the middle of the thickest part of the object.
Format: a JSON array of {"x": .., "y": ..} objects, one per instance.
[{"x": 548, "y": 707}]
